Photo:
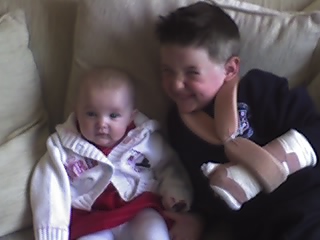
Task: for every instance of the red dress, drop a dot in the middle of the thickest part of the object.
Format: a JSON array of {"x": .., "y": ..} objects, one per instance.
[{"x": 110, "y": 210}]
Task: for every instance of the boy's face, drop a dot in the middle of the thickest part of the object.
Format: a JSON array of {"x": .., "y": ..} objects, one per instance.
[
  {"x": 190, "y": 77},
  {"x": 104, "y": 114}
]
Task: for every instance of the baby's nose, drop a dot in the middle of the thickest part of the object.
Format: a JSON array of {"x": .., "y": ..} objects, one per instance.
[{"x": 102, "y": 122}]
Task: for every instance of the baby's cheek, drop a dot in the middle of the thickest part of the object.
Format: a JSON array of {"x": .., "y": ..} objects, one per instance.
[{"x": 118, "y": 131}]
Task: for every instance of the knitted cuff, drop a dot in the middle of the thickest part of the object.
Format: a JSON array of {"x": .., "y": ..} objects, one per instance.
[{"x": 51, "y": 234}]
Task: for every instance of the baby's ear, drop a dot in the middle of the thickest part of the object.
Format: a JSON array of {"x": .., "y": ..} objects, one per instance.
[
  {"x": 134, "y": 113},
  {"x": 232, "y": 68},
  {"x": 75, "y": 109}
]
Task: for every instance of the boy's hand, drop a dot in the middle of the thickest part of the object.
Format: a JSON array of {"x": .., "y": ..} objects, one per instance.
[{"x": 187, "y": 226}]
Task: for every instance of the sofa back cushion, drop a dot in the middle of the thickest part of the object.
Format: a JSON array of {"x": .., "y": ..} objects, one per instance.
[
  {"x": 283, "y": 5},
  {"x": 121, "y": 33},
  {"x": 23, "y": 129}
]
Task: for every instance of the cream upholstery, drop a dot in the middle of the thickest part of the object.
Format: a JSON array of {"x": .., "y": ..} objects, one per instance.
[
  {"x": 51, "y": 26},
  {"x": 23, "y": 129},
  {"x": 270, "y": 42},
  {"x": 282, "y": 5}
]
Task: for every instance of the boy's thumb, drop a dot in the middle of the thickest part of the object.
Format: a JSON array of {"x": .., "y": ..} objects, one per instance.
[{"x": 208, "y": 168}]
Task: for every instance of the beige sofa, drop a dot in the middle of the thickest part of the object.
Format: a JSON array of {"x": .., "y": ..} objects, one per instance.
[{"x": 40, "y": 63}]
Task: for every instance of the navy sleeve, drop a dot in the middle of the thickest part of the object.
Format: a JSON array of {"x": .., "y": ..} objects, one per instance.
[{"x": 277, "y": 109}]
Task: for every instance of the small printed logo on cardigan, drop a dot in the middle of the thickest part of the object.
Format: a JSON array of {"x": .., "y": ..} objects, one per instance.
[
  {"x": 75, "y": 167},
  {"x": 137, "y": 161},
  {"x": 244, "y": 129}
]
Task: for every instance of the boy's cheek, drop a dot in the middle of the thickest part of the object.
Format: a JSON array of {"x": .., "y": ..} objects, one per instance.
[{"x": 167, "y": 89}]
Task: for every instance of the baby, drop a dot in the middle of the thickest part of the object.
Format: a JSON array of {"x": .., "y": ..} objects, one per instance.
[{"x": 108, "y": 174}]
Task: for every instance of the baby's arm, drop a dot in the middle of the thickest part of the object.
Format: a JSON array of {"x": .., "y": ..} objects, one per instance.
[
  {"x": 175, "y": 187},
  {"x": 50, "y": 197}
]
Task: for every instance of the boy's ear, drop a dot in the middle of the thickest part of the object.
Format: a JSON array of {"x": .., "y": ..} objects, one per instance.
[{"x": 232, "y": 68}]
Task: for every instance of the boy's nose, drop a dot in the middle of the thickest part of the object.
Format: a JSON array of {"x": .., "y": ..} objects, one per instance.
[{"x": 178, "y": 83}]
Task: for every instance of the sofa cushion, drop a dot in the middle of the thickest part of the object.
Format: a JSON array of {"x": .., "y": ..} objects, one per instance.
[
  {"x": 23, "y": 129},
  {"x": 121, "y": 33},
  {"x": 50, "y": 24},
  {"x": 313, "y": 89},
  {"x": 282, "y": 5},
  {"x": 280, "y": 42},
  {"x": 313, "y": 6},
  {"x": 25, "y": 234}
]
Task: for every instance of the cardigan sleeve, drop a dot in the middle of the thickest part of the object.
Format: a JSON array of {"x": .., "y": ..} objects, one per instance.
[
  {"x": 174, "y": 181},
  {"x": 50, "y": 196}
]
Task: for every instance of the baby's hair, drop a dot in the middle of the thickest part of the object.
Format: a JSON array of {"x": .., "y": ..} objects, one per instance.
[
  {"x": 109, "y": 77},
  {"x": 204, "y": 25}
]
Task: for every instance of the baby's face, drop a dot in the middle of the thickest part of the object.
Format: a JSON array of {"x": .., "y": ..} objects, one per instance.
[
  {"x": 189, "y": 77},
  {"x": 104, "y": 114}
]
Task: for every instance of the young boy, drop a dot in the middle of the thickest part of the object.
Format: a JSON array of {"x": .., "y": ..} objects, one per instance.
[
  {"x": 106, "y": 169},
  {"x": 253, "y": 138}
]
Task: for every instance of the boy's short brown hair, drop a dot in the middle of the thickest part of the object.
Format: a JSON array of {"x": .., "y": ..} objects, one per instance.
[{"x": 201, "y": 24}]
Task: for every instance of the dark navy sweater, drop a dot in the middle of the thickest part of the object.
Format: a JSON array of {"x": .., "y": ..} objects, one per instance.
[{"x": 267, "y": 109}]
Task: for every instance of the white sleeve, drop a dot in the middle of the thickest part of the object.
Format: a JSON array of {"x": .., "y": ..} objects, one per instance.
[
  {"x": 50, "y": 197},
  {"x": 174, "y": 180}
]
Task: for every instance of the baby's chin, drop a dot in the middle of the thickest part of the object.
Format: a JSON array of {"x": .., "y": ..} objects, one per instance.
[{"x": 104, "y": 143}]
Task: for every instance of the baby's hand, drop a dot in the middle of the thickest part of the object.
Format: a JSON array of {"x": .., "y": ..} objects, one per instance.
[
  {"x": 179, "y": 206},
  {"x": 172, "y": 204},
  {"x": 179, "y": 231}
]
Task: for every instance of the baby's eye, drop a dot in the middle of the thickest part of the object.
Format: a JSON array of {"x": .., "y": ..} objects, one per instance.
[
  {"x": 91, "y": 114},
  {"x": 114, "y": 115}
]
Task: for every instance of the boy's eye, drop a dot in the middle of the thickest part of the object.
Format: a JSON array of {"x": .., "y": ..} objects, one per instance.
[
  {"x": 193, "y": 72},
  {"x": 114, "y": 115},
  {"x": 91, "y": 114},
  {"x": 167, "y": 71}
]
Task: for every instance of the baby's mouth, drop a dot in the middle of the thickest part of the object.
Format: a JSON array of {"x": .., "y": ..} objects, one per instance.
[{"x": 105, "y": 135}]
